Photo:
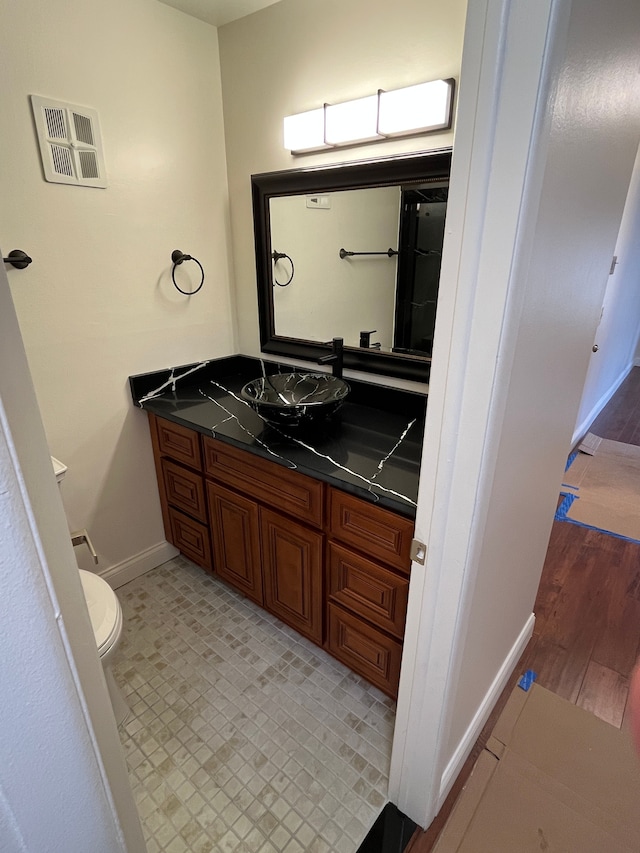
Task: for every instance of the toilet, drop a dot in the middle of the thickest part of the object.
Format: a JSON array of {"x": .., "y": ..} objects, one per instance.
[
  {"x": 106, "y": 620},
  {"x": 105, "y": 613}
]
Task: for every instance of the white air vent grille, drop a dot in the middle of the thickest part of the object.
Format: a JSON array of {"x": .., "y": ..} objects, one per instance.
[
  {"x": 62, "y": 161},
  {"x": 70, "y": 143},
  {"x": 88, "y": 164},
  {"x": 84, "y": 132},
  {"x": 56, "y": 125}
]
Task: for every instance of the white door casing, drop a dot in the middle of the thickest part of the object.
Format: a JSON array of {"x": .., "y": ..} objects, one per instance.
[{"x": 519, "y": 299}]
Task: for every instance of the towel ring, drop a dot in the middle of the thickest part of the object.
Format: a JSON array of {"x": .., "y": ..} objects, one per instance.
[
  {"x": 277, "y": 256},
  {"x": 178, "y": 258}
]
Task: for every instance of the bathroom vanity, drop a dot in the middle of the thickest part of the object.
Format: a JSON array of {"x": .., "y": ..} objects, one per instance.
[{"x": 315, "y": 524}]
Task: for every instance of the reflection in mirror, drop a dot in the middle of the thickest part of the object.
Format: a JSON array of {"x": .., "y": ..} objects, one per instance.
[
  {"x": 423, "y": 211},
  {"x": 330, "y": 296},
  {"x": 382, "y": 292},
  {"x": 353, "y": 251}
]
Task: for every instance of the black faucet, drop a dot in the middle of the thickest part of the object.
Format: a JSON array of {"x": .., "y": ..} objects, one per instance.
[
  {"x": 365, "y": 340},
  {"x": 335, "y": 359}
]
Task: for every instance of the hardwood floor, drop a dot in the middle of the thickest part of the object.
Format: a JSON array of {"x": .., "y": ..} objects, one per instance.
[{"x": 587, "y": 633}]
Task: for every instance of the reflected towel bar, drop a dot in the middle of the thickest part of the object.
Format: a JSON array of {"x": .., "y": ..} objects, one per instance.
[{"x": 344, "y": 254}]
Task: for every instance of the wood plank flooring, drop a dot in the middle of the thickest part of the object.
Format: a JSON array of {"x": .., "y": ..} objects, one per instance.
[{"x": 587, "y": 632}]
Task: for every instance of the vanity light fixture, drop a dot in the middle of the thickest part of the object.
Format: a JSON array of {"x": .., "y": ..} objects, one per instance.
[
  {"x": 352, "y": 121},
  {"x": 421, "y": 108},
  {"x": 305, "y": 131},
  {"x": 415, "y": 109}
]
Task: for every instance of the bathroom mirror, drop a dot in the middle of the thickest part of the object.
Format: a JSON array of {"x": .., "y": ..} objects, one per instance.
[{"x": 352, "y": 251}]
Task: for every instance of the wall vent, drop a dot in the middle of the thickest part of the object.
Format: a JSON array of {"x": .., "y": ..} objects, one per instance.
[{"x": 70, "y": 143}]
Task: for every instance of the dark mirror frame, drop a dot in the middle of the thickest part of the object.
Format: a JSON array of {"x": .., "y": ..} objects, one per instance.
[{"x": 389, "y": 171}]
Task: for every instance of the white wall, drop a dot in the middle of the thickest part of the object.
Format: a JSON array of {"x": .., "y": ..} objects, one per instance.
[
  {"x": 295, "y": 56},
  {"x": 63, "y": 779},
  {"x": 617, "y": 334},
  {"x": 332, "y": 297},
  {"x": 97, "y": 304}
]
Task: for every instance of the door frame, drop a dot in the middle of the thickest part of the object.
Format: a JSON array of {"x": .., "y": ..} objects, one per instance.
[
  {"x": 511, "y": 54},
  {"x": 63, "y": 777}
]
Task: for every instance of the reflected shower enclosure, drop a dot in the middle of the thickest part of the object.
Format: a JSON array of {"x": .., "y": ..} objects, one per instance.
[{"x": 423, "y": 212}]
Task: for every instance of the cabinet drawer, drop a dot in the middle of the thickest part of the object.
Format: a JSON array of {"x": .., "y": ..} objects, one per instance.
[
  {"x": 367, "y": 589},
  {"x": 292, "y": 566},
  {"x": 286, "y": 490},
  {"x": 365, "y": 650},
  {"x": 376, "y": 532},
  {"x": 184, "y": 489},
  {"x": 236, "y": 540},
  {"x": 180, "y": 443},
  {"x": 191, "y": 538}
]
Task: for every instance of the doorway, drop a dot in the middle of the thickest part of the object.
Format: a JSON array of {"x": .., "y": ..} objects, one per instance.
[{"x": 587, "y": 634}]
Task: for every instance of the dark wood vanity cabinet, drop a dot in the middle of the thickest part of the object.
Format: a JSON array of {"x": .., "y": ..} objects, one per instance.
[
  {"x": 266, "y": 523},
  {"x": 178, "y": 462},
  {"x": 330, "y": 565},
  {"x": 368, "y": 584},
  {"x": 292, "y": 557},
  {"x": 236, "y": 540}
]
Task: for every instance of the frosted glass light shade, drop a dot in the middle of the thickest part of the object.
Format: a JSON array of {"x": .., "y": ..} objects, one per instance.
[
  {"x": 416, "y": 109},
  {"x": 305, "y": 131},
  {"x": 352, "y": 121}
]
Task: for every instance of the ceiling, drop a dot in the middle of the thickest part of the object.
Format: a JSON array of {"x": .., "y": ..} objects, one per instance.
[{"x": 218, "y": 12}]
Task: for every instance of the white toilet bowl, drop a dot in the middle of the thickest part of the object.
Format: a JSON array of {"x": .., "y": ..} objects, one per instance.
[{"x": 106, "y": 620}]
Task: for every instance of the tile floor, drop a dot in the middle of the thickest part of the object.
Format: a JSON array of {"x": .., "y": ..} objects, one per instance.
[{"x": 243, "y": 735}]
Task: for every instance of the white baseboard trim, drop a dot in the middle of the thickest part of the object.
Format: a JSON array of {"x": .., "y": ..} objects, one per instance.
[
  {"x": 481, "y": 716},
  {"x": 140, "y": 564},
  {"x": 582, "y": 428},
  {"x": 636, "y": 361}
]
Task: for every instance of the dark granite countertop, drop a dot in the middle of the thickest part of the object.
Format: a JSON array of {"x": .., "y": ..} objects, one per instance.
[{"x": 371, "y": 448}]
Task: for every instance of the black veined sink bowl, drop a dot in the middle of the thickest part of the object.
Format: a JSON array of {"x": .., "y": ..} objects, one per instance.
[{"x": 296, "y": 398}]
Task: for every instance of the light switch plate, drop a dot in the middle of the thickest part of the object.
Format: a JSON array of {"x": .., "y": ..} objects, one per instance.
[{"x": 319, "y": 202}]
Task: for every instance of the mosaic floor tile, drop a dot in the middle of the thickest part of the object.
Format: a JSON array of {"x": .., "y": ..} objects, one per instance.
[{"x": 244, "y": 737}]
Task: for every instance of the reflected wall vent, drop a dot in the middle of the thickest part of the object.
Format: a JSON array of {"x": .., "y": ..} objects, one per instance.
[{"x": 70, "y": 143}]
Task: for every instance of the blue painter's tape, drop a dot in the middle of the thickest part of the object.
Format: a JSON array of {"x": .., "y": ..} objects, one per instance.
[
  {"x": 527, "y": 679},
  {"x": 562, "y": 514},
  {"x": 571, "y": 460},
  {"x": 564, "y": 507},
  {"x": 591, "y": 527}
]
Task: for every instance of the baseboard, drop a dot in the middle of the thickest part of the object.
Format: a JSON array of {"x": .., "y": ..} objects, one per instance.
[
  {"x": 583, "y": 428},
  {"x": 481, "y": 716},
  {"x": 636, "y": 361},
  {"x": 140, "y": 564}
]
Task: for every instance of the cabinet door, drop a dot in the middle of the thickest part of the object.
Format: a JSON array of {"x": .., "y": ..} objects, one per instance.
[
  {"x": 379, "y": 533},
  {"x": 184, "y": 489},
  {"x": 368, "y": 590},
  {"x": 191, "y": 538},
  {"x": 292, "y": 566},
  {"x": 364, "y": 649},
  {"x": 236, "y": 540},
  {"x": 277, "y": 486},
  {"x": 179, "y": 443}
]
